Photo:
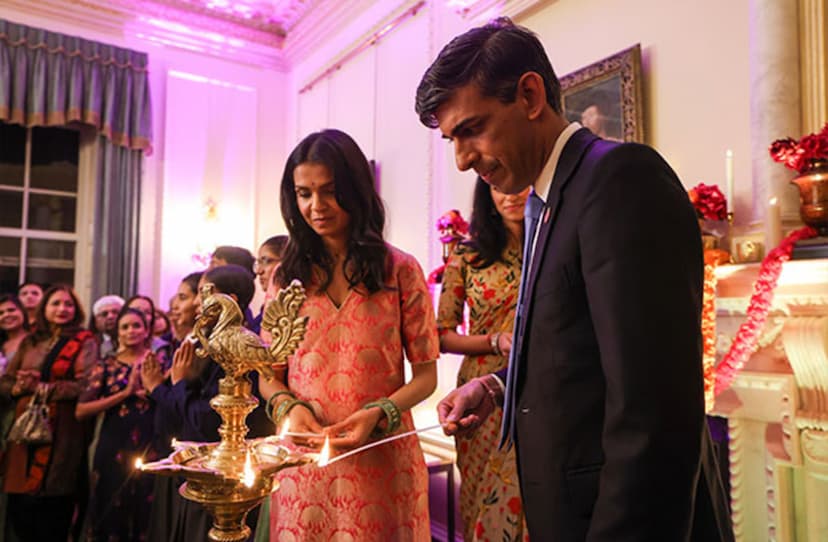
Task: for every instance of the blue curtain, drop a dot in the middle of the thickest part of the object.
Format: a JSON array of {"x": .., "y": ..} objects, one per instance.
[{"x": 50, "y": 79}]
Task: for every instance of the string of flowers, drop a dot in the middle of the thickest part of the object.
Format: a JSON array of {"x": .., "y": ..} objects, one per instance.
[
  {"x": 711, "y": 262},
  {"x": 747, "y": 337}
]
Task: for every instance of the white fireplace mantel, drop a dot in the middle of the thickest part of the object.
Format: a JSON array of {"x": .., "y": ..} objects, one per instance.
[{"x": 777, "y": 407}]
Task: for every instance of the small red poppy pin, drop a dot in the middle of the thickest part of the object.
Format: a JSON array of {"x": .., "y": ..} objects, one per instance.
[{"x": 546, "y": 215}]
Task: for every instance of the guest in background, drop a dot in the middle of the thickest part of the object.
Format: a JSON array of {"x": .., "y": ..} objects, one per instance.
[
  {"x": 369, "y": 309},
  {"x": 43, "y": 480},
  {"x": 120, "y": 499},
  {"x": 184, "y": 401},
  {"x": 229, "y": 255},
  {"x": 184, "y": 306},
  {"x": 162, "y": 328},
  {"x": 224, "y": 255},
  {"x": 270, "y": 254},
  {"x": 104, "y": 314},
  {"x": 30, "y": 294},
  {"x": 483, "y": 273},
  {"x": 14, "y": 326},
  {"x": 159, "y": 346}
]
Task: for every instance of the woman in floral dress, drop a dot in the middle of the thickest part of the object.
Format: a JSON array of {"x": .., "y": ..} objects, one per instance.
[
  {"x": 120, "y": 499},
  {"x": 369, "y": 308},
  {"x": 484, "y": 274}
]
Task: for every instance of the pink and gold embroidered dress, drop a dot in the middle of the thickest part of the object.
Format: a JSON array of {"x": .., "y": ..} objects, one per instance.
[{"x": 352, "y": 355}]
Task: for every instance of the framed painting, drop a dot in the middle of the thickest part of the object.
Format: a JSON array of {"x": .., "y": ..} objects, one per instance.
[{"x": 606, "y": 96}]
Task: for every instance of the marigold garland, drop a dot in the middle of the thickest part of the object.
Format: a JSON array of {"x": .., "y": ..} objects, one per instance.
[
  {"x": 712, "y": 259},
  {"x": 747, "y": 337}
]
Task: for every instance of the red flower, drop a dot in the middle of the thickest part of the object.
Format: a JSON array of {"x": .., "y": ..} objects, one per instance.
[
  {"x": 488, "y": 294},
  {"x": 514, "y": 505},
  {"x": 801, "y": 155},
  {"x": 709, "y": 202},
  {"x": 452, "y": 226}
]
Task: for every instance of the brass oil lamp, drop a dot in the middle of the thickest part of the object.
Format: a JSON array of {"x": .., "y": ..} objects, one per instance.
[{"x": 232, "y": 476}]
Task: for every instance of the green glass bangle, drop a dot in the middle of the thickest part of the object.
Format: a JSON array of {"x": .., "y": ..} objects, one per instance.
[
  {"x": 392, "y": 414},
  {"x": 269, "y": 405}
]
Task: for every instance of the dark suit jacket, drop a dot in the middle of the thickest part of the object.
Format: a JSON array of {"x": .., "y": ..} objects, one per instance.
[{"x": 610, "y": 408}]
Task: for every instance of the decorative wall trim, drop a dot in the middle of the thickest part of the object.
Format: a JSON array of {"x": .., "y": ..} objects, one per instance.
[
  {"x": 396, "y": 18},
  {"x": 735, "y": 455},
  {"x": 813, "y": 44},
  {"x": 482, "y": 10}
]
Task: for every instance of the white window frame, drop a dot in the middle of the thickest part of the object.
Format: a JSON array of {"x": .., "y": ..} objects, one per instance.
[{"x": 84, "y": 211}]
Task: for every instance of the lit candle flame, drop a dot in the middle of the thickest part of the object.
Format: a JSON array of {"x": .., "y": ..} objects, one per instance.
[
  {"x": 139, "y": 463},
  {"x": 285, "y": 429},
  {"x": 324, "y": 454},
  {"x": 248, "y": 476},
  {"x": 174, "y": 442}
]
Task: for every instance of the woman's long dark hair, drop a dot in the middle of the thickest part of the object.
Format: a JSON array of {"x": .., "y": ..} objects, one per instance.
[
  {"x": 43, "y": 329},
  {"x": 9, "y": 298},
  {"x": 487, "y": 233},
  {"x": 366, "y": 260}
]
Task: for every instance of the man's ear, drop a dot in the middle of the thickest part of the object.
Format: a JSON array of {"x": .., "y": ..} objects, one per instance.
[{"x": 532, "y": 94}]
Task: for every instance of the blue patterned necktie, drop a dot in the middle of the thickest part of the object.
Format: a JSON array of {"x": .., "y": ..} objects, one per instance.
[{"x": 531, "y": 215}]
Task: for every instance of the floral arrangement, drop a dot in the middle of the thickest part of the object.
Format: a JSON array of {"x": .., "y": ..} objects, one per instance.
[
  {"x": 747, "y": 337},
  {"x": 709, "y": 202},
  {"x": 453, "y": 228},
  {"x": 801, "y": 155}
]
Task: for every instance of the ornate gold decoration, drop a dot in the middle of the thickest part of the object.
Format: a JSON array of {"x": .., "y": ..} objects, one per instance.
[{"x": 232, "y": 476}]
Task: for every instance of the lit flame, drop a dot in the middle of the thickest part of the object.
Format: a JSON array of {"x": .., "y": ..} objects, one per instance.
[
  {"x": 174, "y": 442},
  {"x": 285, "y": 428},
  {"x": 324, "y": 454},
  {"x": 248, "y": 476},
  {"x": 773, "y": 201},
  {"x": 139, "y": 463}
]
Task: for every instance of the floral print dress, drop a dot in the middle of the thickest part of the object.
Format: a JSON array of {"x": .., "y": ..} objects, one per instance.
[
  {"x": 120, "y": 499},
  {"x": 351, "y": 355},
  {"x": 490, "y": 502}
]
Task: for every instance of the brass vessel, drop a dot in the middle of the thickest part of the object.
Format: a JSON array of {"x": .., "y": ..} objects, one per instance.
[{"x": 232, "y": 476}]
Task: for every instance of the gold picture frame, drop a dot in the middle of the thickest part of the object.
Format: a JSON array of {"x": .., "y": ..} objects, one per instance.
[{"x": 606, "y": 96}]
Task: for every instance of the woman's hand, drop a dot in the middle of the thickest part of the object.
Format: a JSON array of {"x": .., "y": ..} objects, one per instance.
[
  {"x": 134, "y": 385},
  {"x": 302, "y": 420},
  {"x": 182, "y": 362},
  {"x": 355, "y": 430},
  {"x": 151, "y": 375},
  {"x": 504, "y": 343},
  {"x": 27, "y": 381}
]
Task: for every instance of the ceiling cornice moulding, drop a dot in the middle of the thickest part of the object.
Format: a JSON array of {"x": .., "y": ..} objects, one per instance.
[{"x": 482, "y": 10}]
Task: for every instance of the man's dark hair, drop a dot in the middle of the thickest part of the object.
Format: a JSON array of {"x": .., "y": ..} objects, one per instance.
[
  {"x": 494, "y": 57},
  {"x": 236, "y": 255},
  {"x": 232, "y": 279}
]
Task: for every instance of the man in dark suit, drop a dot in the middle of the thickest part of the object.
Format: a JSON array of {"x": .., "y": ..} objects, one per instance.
[{"x": 604, "y": 393}]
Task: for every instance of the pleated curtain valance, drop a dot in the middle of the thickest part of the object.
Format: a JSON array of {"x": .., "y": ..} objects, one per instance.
[{"x": 51, "y": 79}]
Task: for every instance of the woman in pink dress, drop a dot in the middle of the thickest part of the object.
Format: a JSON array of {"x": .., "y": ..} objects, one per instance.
[{"x": 369, "y": 309}]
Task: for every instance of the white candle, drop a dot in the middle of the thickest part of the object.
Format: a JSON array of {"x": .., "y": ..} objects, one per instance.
[
  {"x": 773, "y": 225},
  {"x": 729, "y": 179}
]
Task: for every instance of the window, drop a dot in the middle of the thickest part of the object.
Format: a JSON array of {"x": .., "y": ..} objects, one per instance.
[{"x": 42, "y": 199}]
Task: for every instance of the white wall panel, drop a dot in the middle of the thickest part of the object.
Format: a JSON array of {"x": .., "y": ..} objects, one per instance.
[{"x": 351, "y": 98}]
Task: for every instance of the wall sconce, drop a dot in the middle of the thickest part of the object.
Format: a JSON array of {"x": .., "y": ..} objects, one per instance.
[{"x": 206, "y": 230}]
